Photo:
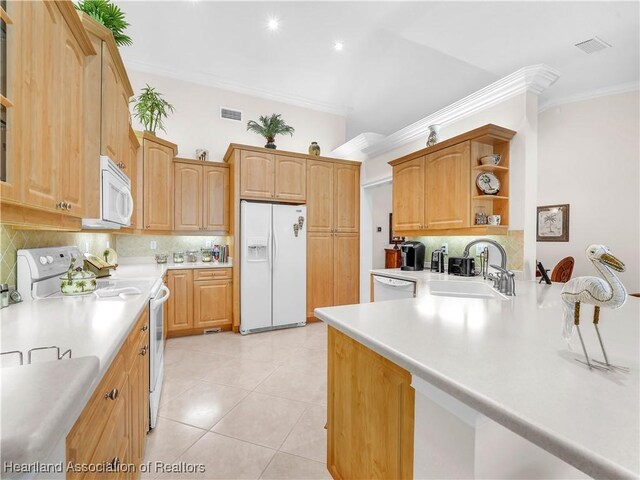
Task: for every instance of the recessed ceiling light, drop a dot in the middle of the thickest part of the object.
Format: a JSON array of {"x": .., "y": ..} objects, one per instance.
[
  {"x": 338, "y": 46},
  {"x": 273, "y": 23}
]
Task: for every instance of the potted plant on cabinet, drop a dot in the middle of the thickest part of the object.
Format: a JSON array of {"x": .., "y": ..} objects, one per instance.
[
  {"x": 269, "y": 127},
  {"x": 150, "y": 109},
  {"x": 109, "y": 15}
]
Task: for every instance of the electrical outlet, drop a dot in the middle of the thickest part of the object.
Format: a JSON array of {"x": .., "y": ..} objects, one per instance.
[
  {"x": 208, "y": 243},
  {"x": 153, "y": 245},
  {"x": 445, "y": 248},
  {"x": 378, "y": 229}
]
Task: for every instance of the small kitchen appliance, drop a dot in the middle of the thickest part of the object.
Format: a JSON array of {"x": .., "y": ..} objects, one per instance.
[
  {"x": 462, "y": 266},
  {"x": 412, "y": 256},
  {"x": 116, "y": 202},
  {"x": 437, "y": 261}
]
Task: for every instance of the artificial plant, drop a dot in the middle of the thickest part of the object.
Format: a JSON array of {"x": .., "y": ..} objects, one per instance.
[
  {"x": 269, "y": 127},
  {"x": 109, "y": 15},
  {"x": 150, "y": 109}
]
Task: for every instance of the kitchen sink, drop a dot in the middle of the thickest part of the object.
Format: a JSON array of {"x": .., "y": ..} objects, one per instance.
[{"x": 464, "y": 289}]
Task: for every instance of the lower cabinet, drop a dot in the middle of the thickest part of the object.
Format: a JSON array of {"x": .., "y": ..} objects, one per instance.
[
  {"x": 200, "y": 299},
  {"x": 370, "y": 413},
  {"x": 111, "y": 430}
]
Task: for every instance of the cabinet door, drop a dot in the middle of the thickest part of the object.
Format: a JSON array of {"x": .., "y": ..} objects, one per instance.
[
  {"x": 123, "y": 129},
  {"x": 291, "y": 178},
  {"x": 216, "y": 199},
  {"x": 408, "y": 195},
  {"x": 188, "y": 197},
  {"x": 319, "y": 196},
  {"x": 346, "y": 198},
  {"x": 447, "y": 200},
  {"x": 320, "y": 267},
  {"x": 158, "y": 185},
  {"x": 256, "y": 174},
  {"x": 346, "y": 271},
  {"x": 212, "y": 303},
  {"x": 370, "y": 413},
  {"x": 71, "y": 123},
  {"x": 180, "y": 303},
  {"x": 40, "y": 160},
  {"x": 111, "y": 99},
  {"x": 138, "y": 396},
  {"x": 135, "y": 175}
]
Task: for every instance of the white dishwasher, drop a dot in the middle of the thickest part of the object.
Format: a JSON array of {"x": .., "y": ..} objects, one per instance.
[{"x": 387, "y": 288}]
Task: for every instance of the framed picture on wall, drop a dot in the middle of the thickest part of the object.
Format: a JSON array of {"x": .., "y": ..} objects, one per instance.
[{"x": 553, "y": 223}]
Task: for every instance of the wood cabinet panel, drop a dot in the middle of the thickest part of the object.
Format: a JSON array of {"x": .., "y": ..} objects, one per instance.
[
  {"x": 346, "y": 198},
  {"x": 212, "y": 303},
  {"x": 158, "y": 183},
  {"x": 139, "y": 397},
  {"x": 447, "y": 200},
  {"x": 370, "y": 413},
  {"x": 290, "y": 178},
  {"x": 408, "y": 195},
  {"x": 188, "y": 197},
  {"x": 211, "y": 273},
  {"x": 320, "y": 203},
  {"x": 180, "y": 303},
  {"x": 136, "y": 177},
  {"x": 346, "y": 268},
  {"x": 257, "y": 175},
  {"x": 320, "y": 271},
  {"x": 216, "y": 199}
]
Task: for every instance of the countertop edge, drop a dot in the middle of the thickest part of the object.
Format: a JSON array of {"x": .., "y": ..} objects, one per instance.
[{"x": 583, "y": 459}]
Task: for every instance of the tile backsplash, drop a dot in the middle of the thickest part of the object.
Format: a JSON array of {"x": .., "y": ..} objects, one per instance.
[
  {"x": 11, "y": 240},
  {"x": 140, "y": 245},
  {"x": 513, "y": 243}
]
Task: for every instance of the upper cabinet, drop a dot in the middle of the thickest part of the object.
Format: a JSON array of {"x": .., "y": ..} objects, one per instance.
[
  {"x": 346, "y": 198},
  {"x": 319, "y": 196},
  {"x": 44, "y": 162},
  {"x": 272, "y": 176},
  {"x": 435, "y": 189},
  {"x": 201, "y": 196},
  {"x": 157, "y": 166}
]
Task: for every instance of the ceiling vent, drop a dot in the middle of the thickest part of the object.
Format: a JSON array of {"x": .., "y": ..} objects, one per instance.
[
  {"x": 230, "y": 114},
  {"x": 593, "y": 45}
]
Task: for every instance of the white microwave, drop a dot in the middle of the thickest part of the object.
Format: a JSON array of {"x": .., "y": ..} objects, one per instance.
[{"x": 116, "y": 202}]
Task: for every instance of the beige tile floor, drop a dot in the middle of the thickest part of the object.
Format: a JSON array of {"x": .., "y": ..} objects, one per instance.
[{"x": 244, "y": 406}]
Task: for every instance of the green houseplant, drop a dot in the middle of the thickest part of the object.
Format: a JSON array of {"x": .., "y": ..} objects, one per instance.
[
  {"x": 109, "y": 15},
  {"x": 150, "y": 109},
  {"x": 269, "y": 127}
]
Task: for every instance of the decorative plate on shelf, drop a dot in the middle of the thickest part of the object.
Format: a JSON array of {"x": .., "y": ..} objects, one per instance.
[{"x": 488, "y": 183}]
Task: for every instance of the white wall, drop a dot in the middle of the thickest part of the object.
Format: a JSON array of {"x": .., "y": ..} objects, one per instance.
[
  {"x": 196, "y": 122},
  {"x": 381, "y": 206},
  {"x": 589, "y": 158}
]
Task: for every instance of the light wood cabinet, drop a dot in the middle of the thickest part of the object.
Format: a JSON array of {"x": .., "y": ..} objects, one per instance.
[
  {"x": 200, "y": 299},
  {"x": 290, "y": 178},
  {"x": 257, "y": 175},
  {"x": 408, "y": 195},
  {"x": 346, "y": 261},
  {"x": 434, "y": 191},
  {"x": 212, "y": 303},
  {"x": 370, "y": 413},
  {"x": 201, "y": 196},
  {"x": 111, "y": 430},
  {"x": 346, "y": 197},
  {"x": 180, "y": 303},
  {"x": 135, "y": 173},
  {"x": 319, "y": 196},
  {"x": 157, "y": 161}
]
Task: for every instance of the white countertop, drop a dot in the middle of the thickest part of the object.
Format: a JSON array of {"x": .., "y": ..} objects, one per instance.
[
  {"x": 93, "y": 329},
  {"x": 507, "y": 360}
]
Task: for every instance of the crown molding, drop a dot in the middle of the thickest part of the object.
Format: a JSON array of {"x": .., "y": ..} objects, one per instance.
[
  {"x": 357, "y": 144},
  {"x": 209, "y": 80},
  {"x": 580, "y": 97},
  {"x": 534, "y": 78}
]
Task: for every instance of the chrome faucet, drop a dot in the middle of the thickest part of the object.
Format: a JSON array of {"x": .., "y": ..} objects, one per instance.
[{"x": 504, "y": 281}]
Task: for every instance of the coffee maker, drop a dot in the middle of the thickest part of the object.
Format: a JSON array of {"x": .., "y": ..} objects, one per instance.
[{"x": 412, "y": 256}]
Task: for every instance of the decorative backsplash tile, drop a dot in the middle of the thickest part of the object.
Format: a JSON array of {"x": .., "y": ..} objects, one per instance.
[
  {"x": 140, "y": 245},
  {"x": 11, "y": 240},
  {"x": 513, "y": 243}
]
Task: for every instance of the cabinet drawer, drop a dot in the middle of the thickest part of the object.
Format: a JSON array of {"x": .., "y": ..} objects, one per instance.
[
  {"x": 138, "y": 337},
  {"x": 110, "y": 395},
  {"x": 210, "y": 273},
  {"x": 112, "y": 449}
]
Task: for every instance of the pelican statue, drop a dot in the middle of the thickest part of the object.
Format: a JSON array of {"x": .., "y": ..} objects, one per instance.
[{"x": 607, "y": 291}]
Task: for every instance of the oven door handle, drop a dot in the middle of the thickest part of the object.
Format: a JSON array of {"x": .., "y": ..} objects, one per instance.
[{"x": 155, "y": 303}]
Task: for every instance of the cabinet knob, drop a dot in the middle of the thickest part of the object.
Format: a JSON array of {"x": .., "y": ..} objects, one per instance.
[
  {"x": 143, "y": 351},
  {"x": 112, "y": 395},
  {"x": 69, "y": 206},
  {"x": 145, "y": 327},
  {"x": 59, "y": 205}
]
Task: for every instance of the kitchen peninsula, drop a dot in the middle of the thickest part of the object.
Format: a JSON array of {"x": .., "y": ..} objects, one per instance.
[{"x": 495, "y": 365}]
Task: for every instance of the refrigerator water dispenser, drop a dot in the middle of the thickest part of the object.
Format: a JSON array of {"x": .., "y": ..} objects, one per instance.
[{"x": 257, "y": 249}]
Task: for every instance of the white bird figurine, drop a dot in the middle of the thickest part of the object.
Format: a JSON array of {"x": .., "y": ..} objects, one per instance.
[{"x": 607, "y": 291}]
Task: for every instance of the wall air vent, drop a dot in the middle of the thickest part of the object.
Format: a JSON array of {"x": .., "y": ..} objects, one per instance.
[
  {"x": 230, "y": 114},
  {"x": 593, "y": 45}
]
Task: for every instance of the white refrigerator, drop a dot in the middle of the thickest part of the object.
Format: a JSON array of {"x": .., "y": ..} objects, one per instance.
[{"x": 273, "y": 266}]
